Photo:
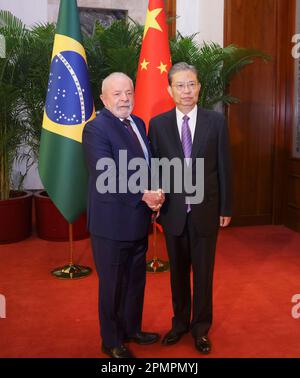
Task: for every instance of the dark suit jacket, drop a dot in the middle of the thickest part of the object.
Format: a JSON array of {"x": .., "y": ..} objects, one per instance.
[
  {"x": 119, "y": 216},
  {"x": 211, "y": 143}
]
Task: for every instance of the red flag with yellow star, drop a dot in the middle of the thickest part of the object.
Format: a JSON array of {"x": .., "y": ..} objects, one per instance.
[{"x": 151, "y": 95}]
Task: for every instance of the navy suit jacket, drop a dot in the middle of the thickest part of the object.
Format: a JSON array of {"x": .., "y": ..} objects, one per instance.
[{"x": 115, "y": 216}]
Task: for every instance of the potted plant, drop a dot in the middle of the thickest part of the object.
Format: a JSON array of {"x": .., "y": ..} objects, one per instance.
[
  {"x": 50, "y": 224},
  {"x": 15, "y": 205},
  {"x": 31, "y": 65}
]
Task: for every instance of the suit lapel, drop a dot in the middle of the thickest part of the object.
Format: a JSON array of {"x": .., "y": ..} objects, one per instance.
[
  {"x": 201, "y": 133},
  {"x": 124, "y": 134},
  {"x": 173, "y": 134},
  {"x": 143, "y": 133}
]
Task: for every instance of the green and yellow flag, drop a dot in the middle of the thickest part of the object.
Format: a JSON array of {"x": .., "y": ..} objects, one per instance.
[{"x": 69, "y": 106}]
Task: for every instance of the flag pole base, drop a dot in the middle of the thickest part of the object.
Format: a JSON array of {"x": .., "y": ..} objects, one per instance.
[
  {"x": 157, "y": 266},
  {"x": 71, "y": 271}
]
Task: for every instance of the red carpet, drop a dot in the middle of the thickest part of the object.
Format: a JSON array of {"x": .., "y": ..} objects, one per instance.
[{"x": 257, "y": 273}]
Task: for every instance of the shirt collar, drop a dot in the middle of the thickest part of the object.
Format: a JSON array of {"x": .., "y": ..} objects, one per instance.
[
  {"x": 191, "y": 114},
  {"x": 129, "y": 117}
]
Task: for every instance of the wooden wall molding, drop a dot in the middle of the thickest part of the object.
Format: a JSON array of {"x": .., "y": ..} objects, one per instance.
[
  {"x": 258, "y": 124},
  {"x": 171, "y": 17}
]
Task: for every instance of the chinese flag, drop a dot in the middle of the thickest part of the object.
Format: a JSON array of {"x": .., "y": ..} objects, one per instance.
[{"x": 151, "y": 95}]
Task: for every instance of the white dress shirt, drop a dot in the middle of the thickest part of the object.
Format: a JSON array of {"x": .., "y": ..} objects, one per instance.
[{"x": 192, "y": 120}]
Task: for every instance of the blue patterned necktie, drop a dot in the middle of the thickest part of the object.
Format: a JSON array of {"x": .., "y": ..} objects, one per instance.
[{"x": 186, "y": 140}]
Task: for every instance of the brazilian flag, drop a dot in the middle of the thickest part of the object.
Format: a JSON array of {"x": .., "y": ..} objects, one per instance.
[{"x": 69, "y": 106}]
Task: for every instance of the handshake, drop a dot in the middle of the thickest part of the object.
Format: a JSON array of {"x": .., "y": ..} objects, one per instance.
[{"x": 154, "y": 199}]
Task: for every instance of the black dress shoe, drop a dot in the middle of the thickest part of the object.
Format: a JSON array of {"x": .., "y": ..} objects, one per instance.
[
  {"x": 172, "y": 337},
  {"x": 118, "y": 352},
  {"x": 143, "y": 338},
  {"x": 202, "y": 344}
]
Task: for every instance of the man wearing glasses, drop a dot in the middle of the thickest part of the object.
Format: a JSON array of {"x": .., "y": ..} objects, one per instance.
[{"x": 190, "y": 132}]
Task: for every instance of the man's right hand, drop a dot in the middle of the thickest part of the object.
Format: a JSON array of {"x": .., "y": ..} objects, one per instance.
[{"x": 154, "y": 199}]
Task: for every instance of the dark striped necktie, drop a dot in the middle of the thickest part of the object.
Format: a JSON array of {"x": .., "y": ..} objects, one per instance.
[{"x": 128, "y": 126}]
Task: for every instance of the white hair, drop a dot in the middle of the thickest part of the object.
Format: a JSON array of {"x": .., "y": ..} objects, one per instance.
[{"x": 114, "y": 75}]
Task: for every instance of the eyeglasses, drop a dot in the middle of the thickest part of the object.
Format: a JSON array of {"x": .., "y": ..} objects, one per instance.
[{"x": 191, "y": 85}]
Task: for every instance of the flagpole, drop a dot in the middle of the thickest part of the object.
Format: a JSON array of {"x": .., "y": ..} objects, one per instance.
[
  {"x": 71, "y": 243},
  {"x": 71, "y": 271},
  {"x": 156, "y": 265}
]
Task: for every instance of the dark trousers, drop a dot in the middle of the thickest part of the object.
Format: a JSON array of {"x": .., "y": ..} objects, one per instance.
[
  {"x": 186, "y": 251},
  {"x": 121, "y": 267}
]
